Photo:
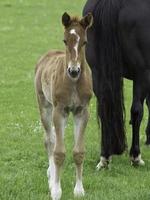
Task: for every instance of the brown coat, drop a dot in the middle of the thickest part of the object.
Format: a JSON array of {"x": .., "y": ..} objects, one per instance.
[{"x": 51, "y": 79}]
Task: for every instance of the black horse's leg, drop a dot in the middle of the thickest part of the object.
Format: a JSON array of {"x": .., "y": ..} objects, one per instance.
[
  {"x": 148, "y": 123},
  {"x": 105, "y": 156},
  {"x": 136, "y": 117}
]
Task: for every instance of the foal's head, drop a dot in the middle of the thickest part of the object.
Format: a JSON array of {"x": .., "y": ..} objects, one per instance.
[{"x": 75, "y": 39}]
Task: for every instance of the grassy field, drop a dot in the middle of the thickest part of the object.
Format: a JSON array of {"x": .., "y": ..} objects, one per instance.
[{"x": 28, "y": 28}]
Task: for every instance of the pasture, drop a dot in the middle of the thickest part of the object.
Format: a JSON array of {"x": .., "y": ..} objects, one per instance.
[{"x": 29, "y": 28}]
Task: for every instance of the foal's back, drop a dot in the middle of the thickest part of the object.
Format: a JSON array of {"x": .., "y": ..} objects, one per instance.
[{"x": 50, "y": 60}]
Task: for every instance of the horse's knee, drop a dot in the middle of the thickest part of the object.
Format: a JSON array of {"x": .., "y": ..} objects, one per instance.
[
  {"x": 49, "y": 139},
  {"x": 48, "y": 143},
  {"x": 59, "y": 157},
  {"x": 78, "y": 157}
]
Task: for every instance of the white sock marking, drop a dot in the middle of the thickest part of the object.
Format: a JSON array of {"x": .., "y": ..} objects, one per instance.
[
  {"x": 51, "y": 172},
  {"x": 79, "y": 190},
  {"x": 137, "y": 160},
  {"x": 56, "y": 191},
  {"x": 103, "y": 162}
]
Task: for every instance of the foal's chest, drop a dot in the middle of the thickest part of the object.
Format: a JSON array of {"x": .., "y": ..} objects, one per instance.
[
  {"x": 72, "y": 95},
  {"x": 74, "y": 99}
]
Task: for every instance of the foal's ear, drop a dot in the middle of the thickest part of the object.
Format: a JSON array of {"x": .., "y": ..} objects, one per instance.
[
  {"x": 66, "y": 19},
  {"x": 87, "y": 21}
]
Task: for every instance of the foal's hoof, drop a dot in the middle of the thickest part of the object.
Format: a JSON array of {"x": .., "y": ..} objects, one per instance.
[
  {"x": 103, "y": 164},
  {"x": 79, "y": 192},
  {"x": 78, "y": 189},
  {"x": 137, "y": 161},
  {"x": 56, "y": 193}
]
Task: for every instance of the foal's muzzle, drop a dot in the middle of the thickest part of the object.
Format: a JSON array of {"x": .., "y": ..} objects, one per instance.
[{"x": 74, "y": 73}]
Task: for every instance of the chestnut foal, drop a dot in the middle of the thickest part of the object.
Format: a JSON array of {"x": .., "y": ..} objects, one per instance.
[{"x": 63, "y": 84}]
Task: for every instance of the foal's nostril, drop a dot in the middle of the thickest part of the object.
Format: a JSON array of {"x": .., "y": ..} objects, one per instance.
[{"x": 73, "y": 73}]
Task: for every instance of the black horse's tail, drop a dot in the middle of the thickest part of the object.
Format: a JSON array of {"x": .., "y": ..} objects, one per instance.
[{"x": 110, "y": 98}]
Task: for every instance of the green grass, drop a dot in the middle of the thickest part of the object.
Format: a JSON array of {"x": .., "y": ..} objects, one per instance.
[{"x": 28, "y": 28}]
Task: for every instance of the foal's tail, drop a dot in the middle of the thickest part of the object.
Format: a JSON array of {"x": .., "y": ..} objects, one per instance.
[{"x": 110, "y": 98}]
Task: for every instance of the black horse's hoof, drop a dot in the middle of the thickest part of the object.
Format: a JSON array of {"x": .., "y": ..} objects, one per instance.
[
  {"x": 104, "y": 163},
  {"x": 137, "y": 161}
]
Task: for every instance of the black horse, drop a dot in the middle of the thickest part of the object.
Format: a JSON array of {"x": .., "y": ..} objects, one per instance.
[{"x": 119, "y": 46}]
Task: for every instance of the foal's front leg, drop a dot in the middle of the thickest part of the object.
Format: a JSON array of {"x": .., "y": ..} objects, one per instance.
[
  {"x": 80, "y": 121},
  {"x": 46, "y": 118},
  {"x": 59, "y": 150}
]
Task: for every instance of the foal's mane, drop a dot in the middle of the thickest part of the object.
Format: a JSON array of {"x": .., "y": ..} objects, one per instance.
[{"x": 75, "y": 19}]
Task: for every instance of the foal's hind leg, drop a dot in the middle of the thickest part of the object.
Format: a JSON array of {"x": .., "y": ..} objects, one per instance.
[
  {"x": 46, "y": 118},
  {"x": 136, "y": 117},
  {"x": 148, "y": 123},
  {"x": 80, "y": 122}
]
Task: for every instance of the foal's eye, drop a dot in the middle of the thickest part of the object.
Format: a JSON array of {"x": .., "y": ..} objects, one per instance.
[{"x": 65, "y": 42}]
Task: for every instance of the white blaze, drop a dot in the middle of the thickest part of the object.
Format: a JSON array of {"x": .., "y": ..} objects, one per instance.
[
  {"x": 77, "y": 44},
  {"x": 74, "y": 67}
]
